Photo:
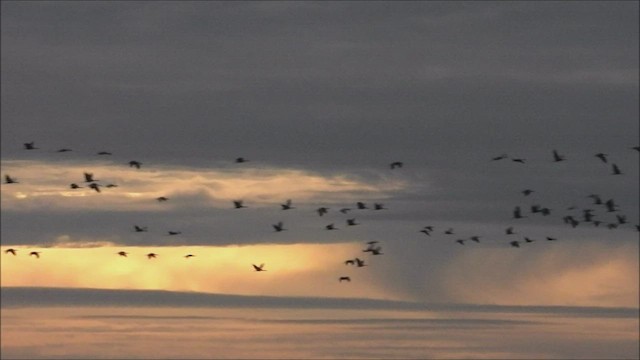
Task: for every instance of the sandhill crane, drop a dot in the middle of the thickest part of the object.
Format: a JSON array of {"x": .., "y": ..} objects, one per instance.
[
  {"x": 529, "y": 240},
  {"x": 88, "y": 177},
  {"x": 515, "y": 244},
  {"x": 287, "y": 205},
  {"x": 460, "y": 241},
  {"x": 345, "y": 210},
  {"x": 279, "y": 227},
  {"x": 162, "y": 198},
  {"x": 360, "y": 262},
  {"x": 527, "y": 192},
  {"x": 602, "y": 157},
  {"x": 517, "y": 214},
  {"x": 377, "y": 251},
  {"x": 122, "y": 253},
  {"x": 475, "y": 238},
  {"x": 151, "y": 256},
  {"x": 615, "y": 170},
  {"x": 509, "y": 231},
  {"x": 557, "y": 157},
  {"x": 241, "y": 160},
  {"x": 238, "y": 204},
  {"x": 361, "y": 205},
  {"x": 258, "y": 268},
  {"x": 596, "y": 199},
  {"x": 30, "y": 146},
  {"x": 331, "y": 227},
  {"x": 137, "y": 228},
  {"x": 344, "y": 278},
  {"x": 322, "y": 210},
  {"x": 610, "y": 205},
  {"x": 9, "y": 180},
  {"x": 622, "y": 219},
  {"x": 104, "y": 153},
  {"x": 396, "y": 164},
  {"x": 11, "y": 251},
  {"x": 549, "y": 238},
  {"x": 35, "y": 253},
  {"x": 135, "y": 164},
  {"x": 188, "y": 256},
  {"x": 378, "y": 206},
  {"x": 500, "y": 157},
  {"x": 352, "y": 222},
  {"x": 111, "y": 185},
  {"x": 174, "y": 232},
  {"x": 95, "y": 186},
  {"x": 63, "y": 150},
  {"x": 449, "y": 231},
  {"x": 519, "y": 160},
  {"x": 75, "y": 186},
  {"x": 349, "y": 262}
]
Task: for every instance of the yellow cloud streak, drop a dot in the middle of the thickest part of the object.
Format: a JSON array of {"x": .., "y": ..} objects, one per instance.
[
  {"x": 292, "y": 270},
  {"x": 47, "y": 184}
]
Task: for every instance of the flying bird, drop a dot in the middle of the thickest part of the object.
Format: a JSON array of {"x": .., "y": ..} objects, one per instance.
[
  {"x": 258, "y": 268},
  {"x": 35, "y": 253},
  {"x": 174, "y": 232},
  {"x": 378, "y": 206},
  {"x": 104, "y": 153},
  {"x": 549, "y": 238},
  {"x": 241, "y": 160},
  {"x": 612, "y": 226},
  {"x": 349, "y": 262},
  {"x": 111, "y": 185},
  {"x": 515, "y": 243},
  {"x": 88, "y": 177},
  {"x": 345, "y": 210},
  {"x": 519, "y": 160},
  {"x": 396, "y": 164},
  {"x": 503, "y": 156},
  {"x": 610, "y": 205},
  {"x": 162, "y": 198},
  {"x": 11, "y": 251},
  {"x": 449, "y": 231},
  {"x": 122, "y": 253},
  {"x": 377, "y": 251},
  {"x": 287, "y": 205},
  {"x": 529, "y": 240},
  {"x": 596, "y": 199},
  {"x": 151, "y": 256},
  {"x": 517, "y": 214},
  {"x": 509, "y": 231},
  {"x": 557, "y": 157},
  {"x": 475, "y": 238},
  {"x": 9, "y": 180},
  {"x": 331, "y": 227},
  {"x": 30, "y": 146},
  {"x": 238, "y": 204},
  {"x": 622, "y": 219},
  {"x": 426, "y": 232},
  {"x": 189, "y": 256},
  {"x": 636, "y": 148},
  {"x": 460, "y": 241},
  {"x": 615, "y": 170},
  {"x": 352, "y": 222},
  {"x": 360, "y": 262},
  {"x": 344, "y": 278},
  {"x": 279, "y": 227},
  {"x": 95, "y": 186},
  {"x": 137, "y": 228},
  {"x": 322, "y": 210},
  {"x": 361, "y": 205},
  {"x": 527, "y": 192},
  {"x": 136, "y": 164},
  {"x": 75, "y": 186},
  {"x": 602, "y": 157},
  {"x": 545, "y": 211}
]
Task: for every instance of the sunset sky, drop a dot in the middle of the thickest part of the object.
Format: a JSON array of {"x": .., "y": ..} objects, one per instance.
[{"x": 320, "y": 98}]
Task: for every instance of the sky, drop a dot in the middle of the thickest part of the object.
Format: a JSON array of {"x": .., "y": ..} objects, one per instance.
[{"x": 320, "y": 98}]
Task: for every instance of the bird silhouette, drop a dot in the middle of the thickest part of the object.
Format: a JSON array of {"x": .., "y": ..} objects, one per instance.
[
  {"x": 151, "y": 256},
  {"x": 349, "y": 262},
  {"x": 361, "y": 205},
  {"x": 63, "y": 150},
  {"x": 622, "y": 219},
  {"x": 174, "y": 232},
  {"x": 9, "y": 180},
  {"x": 517, "y": 214},
  {"x": 378, "y": 206},
  {"x": 396, "y": 164},
  {"x": 449, "y": 231},
  {"x": 596, "y": 199},
  {"x": 322, "y": 210},
  {"x": 238, "y": 204},
  {"x": 344, "y": 278},
  {"x": 377, "y": 251},
  {"x": 500, "y": 157},
  {"x": 519, "y": 160},
  {"x": 111, "y": 185},
  {"x": 95, "y": 186},
  {"x": 610, "y": 205},
  {"x": 122, "y": 253},
  {"x": 134, "y": 163},
  {"x": 258, "y": 268},
  {"x": 188, "y": 256},
  {"x": 515, "y": 243},
  {"x": 162, "y": 198},
  {"x": 545, "y": 211},
  {"x": 535, "y": 209},
  {"x": 460, "y": 241},
  {"x": 75, "y": 186},
  {"x": 602, "y": 157},
  {"x": 615, "y": 170},
  {"x": 345, "y": 210},
  {"x": 587, "y": 215},
  {"x": 88, "y": 177},
  {"x": 509, "y": 231},
  {"x": 35, "y": 253},
  {"x": 557, "y": 157},
  {"x": 426, "y": 232},
  {"x": 287, "y": 205},
  {"x": 636, "y": 148},
  {"x": 527, "y": 192},
  {"x": 104, "y": 153},
  {"x": 279, "y": 227},
  {"x": 331, "y": 227},
  {"x": 241, "y": 160},
  {"x": 612, "y": 226},
  {"x": 475, "y": 238},
  {"x": 549, "y": 238},
  {"x": 30, "y": 146},
  {"x": 137, "y": 228},
  {"x": 360, "y": 262},
  {"x": 529, "y": 240},
  {"x": 11, "y": 251},
  {"x": 352, "y": 222}
]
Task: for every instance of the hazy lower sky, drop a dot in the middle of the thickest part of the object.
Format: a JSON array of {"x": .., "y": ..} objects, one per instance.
[{"x": 320, "y": 98}]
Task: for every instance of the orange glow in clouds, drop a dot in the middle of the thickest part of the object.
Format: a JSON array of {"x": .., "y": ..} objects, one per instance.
[{"x": 292, "y": 270}]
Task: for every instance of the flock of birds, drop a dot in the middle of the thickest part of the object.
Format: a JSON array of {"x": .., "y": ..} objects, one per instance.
[{"x": 585, "y": 215}]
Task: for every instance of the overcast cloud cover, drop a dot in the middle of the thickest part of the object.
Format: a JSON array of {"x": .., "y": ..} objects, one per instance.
[{"x": 321, "y": 97}]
